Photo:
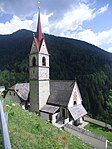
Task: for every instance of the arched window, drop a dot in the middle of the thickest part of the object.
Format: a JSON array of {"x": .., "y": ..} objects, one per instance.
[
  {"x": 74, "y": 102},
  {"x": 34, "y": 61},
  {"x": 43, "y": 61}
]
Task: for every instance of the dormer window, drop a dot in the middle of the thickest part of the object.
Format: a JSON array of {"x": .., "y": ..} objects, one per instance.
[
  {"x": 34, "y": 61},
  {"x": 43, "y": 61}
]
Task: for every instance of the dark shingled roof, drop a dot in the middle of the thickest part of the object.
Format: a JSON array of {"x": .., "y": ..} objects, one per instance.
[
  {"x": 77, "y": 111},
  {"x": 49, "y": 109},
  {"x": 60, "y": 92}
]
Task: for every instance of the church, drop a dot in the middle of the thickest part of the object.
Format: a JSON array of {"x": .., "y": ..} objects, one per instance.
[{"x": 53, "y": 100}]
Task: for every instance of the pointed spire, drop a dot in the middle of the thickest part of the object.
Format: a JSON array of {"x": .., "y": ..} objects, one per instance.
[{"x": 39, "y": 36}]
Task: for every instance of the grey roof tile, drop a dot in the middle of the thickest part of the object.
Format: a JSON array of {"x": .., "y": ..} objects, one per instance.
[
  {"x": 60, "y": 92},
  {"x": 49, "y": 109},
  {"x": 77, "y": 111},
  {"x": 22, "y": 90}
]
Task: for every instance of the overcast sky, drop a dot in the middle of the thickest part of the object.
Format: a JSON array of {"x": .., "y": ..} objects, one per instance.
[{"x": 87, "y": 20}]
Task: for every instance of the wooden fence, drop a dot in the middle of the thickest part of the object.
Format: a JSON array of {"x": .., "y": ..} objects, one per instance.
[
  {"x": 4, "y": 129},
  {"x": 102, "y": 124}
]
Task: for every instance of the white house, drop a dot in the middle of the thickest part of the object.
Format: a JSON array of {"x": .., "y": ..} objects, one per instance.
[
  {"x": 2, "y": 88},
  {"x": 19, "y": 93}
]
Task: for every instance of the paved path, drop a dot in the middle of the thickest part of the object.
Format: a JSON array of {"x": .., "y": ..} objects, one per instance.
[{"x": 62, "y": 125}]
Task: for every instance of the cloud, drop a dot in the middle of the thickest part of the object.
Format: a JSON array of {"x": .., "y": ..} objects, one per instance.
[
  {"x": 105, "y": 37},
  {"x": 88, "y": 36},
  {"x": 101, "y": 39},
  {"x": 21, "y": 8},
  {"x": 100, "y": 11},
  {"x": 109, "y": 49},
  {"x": 61, "y": 19},
  {"x": 16, "y": 24},
  {"x": 72, "y": 19},
  {"x": 44, "y": 22},
  {"x": 27, "y": 8},
  {"x": 103, "y": 9}
]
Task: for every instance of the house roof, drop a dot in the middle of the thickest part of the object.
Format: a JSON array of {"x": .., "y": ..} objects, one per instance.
[
  {"x": 22, "y": 90},
  {"x": 60, "y": 92},
  {"x": 49, "y": 109},
  {"x": 77, "y": 111}
]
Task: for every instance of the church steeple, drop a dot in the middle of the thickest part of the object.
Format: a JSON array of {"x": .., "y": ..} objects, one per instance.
[
  {"x": 39, "y": 36},
  {"x": 39, "y": 70}
]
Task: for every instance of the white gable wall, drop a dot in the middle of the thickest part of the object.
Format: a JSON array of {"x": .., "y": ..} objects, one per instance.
[
  {"x": 75, "y": 96},
  {"x": 43, "y": 48},
  {"x": 44, "y": 92},
  {"x": 44, "y": 115},
  {"x": 33, "y": 48},
  {"x": 79, "y": 98}
]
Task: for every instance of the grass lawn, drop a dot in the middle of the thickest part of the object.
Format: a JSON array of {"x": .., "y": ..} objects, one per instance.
[
  {"x": 28, "y": 131},
  {"x": 100, "y": 131}
]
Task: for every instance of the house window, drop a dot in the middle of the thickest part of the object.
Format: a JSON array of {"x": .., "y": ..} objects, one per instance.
[
  {"x": 9, "y": 93},
  {"x": 56, "y": 117},
  {"x": 43, "y": 61},
  {"x": 34, "y": 61},
  {"x": 14, "y": 94}
]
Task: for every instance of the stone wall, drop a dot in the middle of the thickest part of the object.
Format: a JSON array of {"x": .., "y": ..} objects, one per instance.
[{"x": 96, "y": 141}]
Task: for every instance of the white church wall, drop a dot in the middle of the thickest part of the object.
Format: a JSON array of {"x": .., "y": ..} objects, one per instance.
[
  {"x": 44, "y": 93},
  {"x": 31, "y": 58},
  {"x": 43, "y": 73},
  {"x": 70, "y": 104},
  {"x": 2, "y": 88},
  {"x": 33, "y": 48},
  {"x": 55, "y": 117},
  {"x": 75, "y": 96},
  {"x": 43, "y": 48},
  {"x": 79, "y": 98},
  {"x": 41, "y": 55}
]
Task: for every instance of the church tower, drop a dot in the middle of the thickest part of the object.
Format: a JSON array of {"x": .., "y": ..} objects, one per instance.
[{"x": 38, "y": 71}]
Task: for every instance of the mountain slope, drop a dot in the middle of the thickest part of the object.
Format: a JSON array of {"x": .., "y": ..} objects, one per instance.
[{"x": 69, "y": 59}]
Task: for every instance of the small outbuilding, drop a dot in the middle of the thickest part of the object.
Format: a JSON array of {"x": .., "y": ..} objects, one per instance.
[{"x": 19, "y": 93}]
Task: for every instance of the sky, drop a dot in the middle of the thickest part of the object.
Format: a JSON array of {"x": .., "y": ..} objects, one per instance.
[{"x": 87, "y": 20}]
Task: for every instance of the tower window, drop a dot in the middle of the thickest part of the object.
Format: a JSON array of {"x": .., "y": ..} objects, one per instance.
[
  {"x": 34, "y": 61},
  {"x": 74, "y": 102},
  {"x": 43, "y": 61}
]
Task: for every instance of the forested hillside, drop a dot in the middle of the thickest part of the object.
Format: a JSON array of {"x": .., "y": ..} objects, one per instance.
[{"x": 69, "y": 59}]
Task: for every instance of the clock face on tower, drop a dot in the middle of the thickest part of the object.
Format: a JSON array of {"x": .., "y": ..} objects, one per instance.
[{"x": 43, "y": 74}]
